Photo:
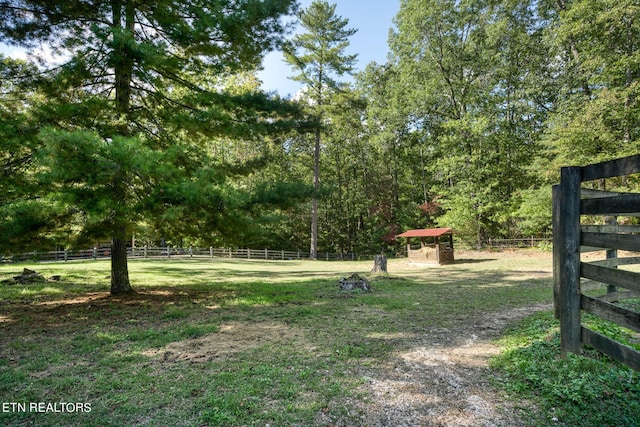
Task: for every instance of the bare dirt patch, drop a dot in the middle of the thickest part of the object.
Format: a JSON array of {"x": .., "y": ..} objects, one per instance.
[
  {"x": 444, "y": 380},
  {"x": 231, "y": 339},
  {"x": 440, "y": 378}
]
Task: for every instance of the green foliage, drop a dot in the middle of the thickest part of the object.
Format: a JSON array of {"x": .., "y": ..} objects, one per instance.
[
  {"x": 612, "y": 330},
  {"x": 319, "y": 53},
  {"x": 120, "y": 133},
  {"x": 477, "y": 130},
  {"x": 597, "y": 116},
  {"x": 478, "y": 106},
  {"x": 534, "y": 213},
  {"x": 585, "y": 390}
]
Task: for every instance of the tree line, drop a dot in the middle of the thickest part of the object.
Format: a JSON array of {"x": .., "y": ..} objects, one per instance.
[{"x": 152, "y": 123}]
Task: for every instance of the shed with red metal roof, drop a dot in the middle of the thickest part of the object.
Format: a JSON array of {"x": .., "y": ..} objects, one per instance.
[{"x": 436, "y": 245}]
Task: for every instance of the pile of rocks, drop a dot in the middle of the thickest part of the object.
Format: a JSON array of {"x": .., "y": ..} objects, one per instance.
[
  {"x": 29, "y": 276},
  {"x": 354, "y": 282}
]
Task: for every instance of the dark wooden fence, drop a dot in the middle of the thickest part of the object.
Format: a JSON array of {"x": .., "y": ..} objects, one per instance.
[{"x": 572, "y": 276}]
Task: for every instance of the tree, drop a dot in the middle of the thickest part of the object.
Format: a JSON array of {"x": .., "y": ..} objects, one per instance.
[
  {"x": 18, "y": 133},
  {"x": 398, "y": 149},
  {"x": 319, "y": 57},
  {"x": 463, "y": 67},
  {"x": 596, "y": 118},
  {"x": 125, "y": 116},
  {"x": 346, "y": 166}
]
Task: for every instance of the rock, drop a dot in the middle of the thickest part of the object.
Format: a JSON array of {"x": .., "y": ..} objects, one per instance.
[
  {"x": 28, "y": 276},
  {"x": 353, "y": 282}
]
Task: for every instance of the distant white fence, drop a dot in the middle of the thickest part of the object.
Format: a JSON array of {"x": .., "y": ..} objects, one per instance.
[
  {"x": 169, "y": 252},
  {"x": 241, "y": 253},
  {"x": 529, "y": 242}
]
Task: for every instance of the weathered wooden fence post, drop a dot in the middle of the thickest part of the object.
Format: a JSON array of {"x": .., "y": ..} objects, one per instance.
[
  {"x": 612, "y": 253},
  {"x": 556, "y": 243},
  {"x": 566, "y": 257}
]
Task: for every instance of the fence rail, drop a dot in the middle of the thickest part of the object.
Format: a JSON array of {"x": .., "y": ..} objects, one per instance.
[
  {"x": 522, "y": 243},
  {"x": 239, "y": 253},
  {"x": 190, "y": 252},
  {"x": 570, "y": 238}
]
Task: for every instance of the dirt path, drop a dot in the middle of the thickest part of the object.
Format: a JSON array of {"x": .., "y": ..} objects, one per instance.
[
  {"x": 435, "y": 382},
  {"x": 440, "y": 383}
]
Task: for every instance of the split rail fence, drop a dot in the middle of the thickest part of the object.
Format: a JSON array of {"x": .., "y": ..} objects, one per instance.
[
  {"x": 572, "y": 276},
  {"x": 191, "y": 252},
  {"x": 522, "y": 243}
]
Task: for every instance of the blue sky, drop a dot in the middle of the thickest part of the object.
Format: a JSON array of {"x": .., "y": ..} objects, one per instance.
[{"x": 372, "y": 19}]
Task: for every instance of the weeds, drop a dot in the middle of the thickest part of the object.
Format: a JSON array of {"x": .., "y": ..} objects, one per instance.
[{"x": 587, "y": 390}]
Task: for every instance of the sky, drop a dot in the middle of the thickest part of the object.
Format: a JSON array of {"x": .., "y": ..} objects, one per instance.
[{"x": 372, "y": 19}]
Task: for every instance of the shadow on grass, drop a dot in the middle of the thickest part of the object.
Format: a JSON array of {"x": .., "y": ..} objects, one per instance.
[
  {"x": 473, "y": 260},
  {"x": 67, "y": 309},
  {"x": 197, "y": 286},
  {"x": 209, "y": 270}
]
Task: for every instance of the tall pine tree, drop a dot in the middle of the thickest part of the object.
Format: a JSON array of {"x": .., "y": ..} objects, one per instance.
[
  {"x": 318, "y": 55},
  {"x": 122, "y": 115}
]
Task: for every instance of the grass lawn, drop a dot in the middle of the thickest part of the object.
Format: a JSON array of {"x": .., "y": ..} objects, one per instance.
[{"x": 231, "y": 342}]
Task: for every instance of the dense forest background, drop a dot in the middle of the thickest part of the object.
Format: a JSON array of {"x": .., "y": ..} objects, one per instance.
[{"x": 465, "y": 126}]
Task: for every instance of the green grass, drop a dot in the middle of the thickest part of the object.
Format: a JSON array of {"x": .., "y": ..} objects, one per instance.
[
  {"x": 586, "y": 390},
  {"x": 233, "y": 342}
]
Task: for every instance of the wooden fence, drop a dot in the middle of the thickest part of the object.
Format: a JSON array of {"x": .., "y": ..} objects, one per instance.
[
  {"x": 572, "y": 276},
  {"x": 169, "y": 252},
  {"x": 522, "y": 243}
]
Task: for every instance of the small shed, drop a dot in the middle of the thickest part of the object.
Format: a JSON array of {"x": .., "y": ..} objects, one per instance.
[{"x": 435, "y": 245}]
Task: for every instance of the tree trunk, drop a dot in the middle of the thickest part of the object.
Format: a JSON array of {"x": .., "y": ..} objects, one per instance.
[
  {"x": 313, "y": 251},
  {"x": 575, "y": 54},
  {"x": 380, "y": 264},
  {"x": 123, "y": 70},
  {"x": 119, "y": 269}
]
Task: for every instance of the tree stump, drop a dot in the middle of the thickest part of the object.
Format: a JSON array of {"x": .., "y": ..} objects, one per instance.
[{"x": 380, "y": 264}]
